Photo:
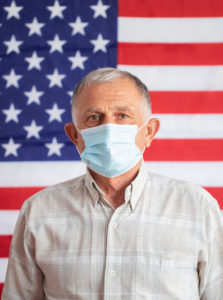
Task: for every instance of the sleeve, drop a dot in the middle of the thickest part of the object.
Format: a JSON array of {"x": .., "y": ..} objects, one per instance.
[
  {"x": 24, "y": 280},
  {"x": 211, "y": 265}
]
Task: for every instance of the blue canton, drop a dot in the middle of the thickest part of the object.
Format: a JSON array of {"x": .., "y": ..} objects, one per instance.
[{"x": 46, "y": 48}]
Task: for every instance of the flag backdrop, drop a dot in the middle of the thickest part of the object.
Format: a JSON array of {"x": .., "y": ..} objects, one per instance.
[{"x": 175, "y": 47}]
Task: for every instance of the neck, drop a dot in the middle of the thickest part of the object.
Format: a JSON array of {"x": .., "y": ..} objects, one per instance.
[{"x": 114, "y": 188}]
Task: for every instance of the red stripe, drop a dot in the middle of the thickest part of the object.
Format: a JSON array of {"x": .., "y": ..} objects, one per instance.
[
  {"x": 187, "y": 102},
  {"x": 5, "y": 241},
  {"x": 13, "y": 198},
  {"x": 185, "y": 150},
  {"x": 217, "y": 193},
  {"x": 167, "y": 8},
  {"x": 1, "y": 288},
  {"x": 170, "y": 54}
]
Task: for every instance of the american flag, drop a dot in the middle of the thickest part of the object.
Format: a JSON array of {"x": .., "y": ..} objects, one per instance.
[{"x": 175, "y": 47}]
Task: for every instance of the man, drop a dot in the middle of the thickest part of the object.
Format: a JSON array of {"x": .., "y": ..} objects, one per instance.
[{"x": 117, "y": 232}]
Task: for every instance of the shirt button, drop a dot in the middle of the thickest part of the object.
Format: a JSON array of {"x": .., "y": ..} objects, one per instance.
[
  {"x": 114, "y": 225},
  {"x": 113, "y": 273}
]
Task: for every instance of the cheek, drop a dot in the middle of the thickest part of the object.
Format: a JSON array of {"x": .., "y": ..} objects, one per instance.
[
  {"x": 80, "y": 144},
  {"x": 141, "y": 140}
]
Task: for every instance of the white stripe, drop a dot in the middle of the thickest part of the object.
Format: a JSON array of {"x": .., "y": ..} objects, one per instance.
[
  {"x": 179, "y": 78},
  {"x": 170, "y": 30},
  {"x": 179, "y": 126},
  {"x": 38, "y": 173},
  {"x": 207, "y": 174},
  {"x": 202, "y": 173},
  {"x": 3, "y": 268},
  {"x": 8, "y": 219}
]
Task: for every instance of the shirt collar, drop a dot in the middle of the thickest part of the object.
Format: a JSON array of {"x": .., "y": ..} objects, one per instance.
[
  {"x": 132, "y": 192},
  {"x": 92, "y": 187}
]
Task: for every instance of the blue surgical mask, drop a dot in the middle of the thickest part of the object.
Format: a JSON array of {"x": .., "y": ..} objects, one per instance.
[{"x": 110, "y": 149}]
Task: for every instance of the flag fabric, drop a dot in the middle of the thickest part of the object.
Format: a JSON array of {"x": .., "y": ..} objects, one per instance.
[{"x": 175, "y": 47}]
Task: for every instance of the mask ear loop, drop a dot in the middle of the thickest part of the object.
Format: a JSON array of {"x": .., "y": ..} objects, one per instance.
[
  {"x": 147, "y": 120},
  {"x": 78, "y": 130}
]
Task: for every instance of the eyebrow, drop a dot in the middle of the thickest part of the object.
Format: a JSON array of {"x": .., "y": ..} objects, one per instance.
[{"x": 118, "y": 108}]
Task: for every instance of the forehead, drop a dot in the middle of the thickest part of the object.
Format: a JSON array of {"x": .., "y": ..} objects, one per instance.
[{"x": 121, "y": 91}]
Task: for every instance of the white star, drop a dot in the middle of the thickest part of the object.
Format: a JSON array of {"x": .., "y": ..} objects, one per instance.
[
  {"x": 13, "y": 10},
  {"x": 34, "y": 61},
  {"x": 99, "y": 44},
  {"x": 56, "y": 10},
  {"x": 55, "y": 113},
  {"x": 78, "y": 26},
  {"x": 54, "y": 147},
  {"x": 77, "y": 61},
  {"x": 33, "y": 96},
  {"x": 33, "y": 130},
  {"x": 12, "y": 79},
  {"x": 55, "y": 78},
  {"x": 11, "y": 113},
  {"x": 13, "y": 45},
  {"x": 35, "y": 27},
  {"x": 11, "y": 148},
  {"x": 100, "y": 9},
  {"x": 70, "y": 93},
  {"x": 56, "y": 44}
]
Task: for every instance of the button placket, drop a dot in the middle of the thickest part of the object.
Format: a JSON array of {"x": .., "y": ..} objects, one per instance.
[{"x": 110, "y": 271}]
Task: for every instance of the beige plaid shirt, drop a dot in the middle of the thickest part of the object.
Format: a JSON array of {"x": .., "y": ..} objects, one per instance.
[{"x": 164, "y": 242}]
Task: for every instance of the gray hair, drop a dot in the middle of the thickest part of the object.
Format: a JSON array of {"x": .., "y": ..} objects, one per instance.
[{"x": 111, "y": 74}]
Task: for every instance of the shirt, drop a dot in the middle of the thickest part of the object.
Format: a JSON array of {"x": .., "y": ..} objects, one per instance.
[{"x": 164, "y": 242}]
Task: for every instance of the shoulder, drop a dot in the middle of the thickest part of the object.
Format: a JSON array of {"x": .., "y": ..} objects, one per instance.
[
  {"x": 181, "y": 193},
  {"x": 56, "y": 198}
]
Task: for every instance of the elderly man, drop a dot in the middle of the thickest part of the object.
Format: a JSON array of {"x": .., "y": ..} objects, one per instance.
[{"x": 118, "y": 232}]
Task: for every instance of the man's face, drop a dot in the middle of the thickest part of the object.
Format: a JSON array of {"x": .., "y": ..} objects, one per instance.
[{"x": 117, "y": 102}]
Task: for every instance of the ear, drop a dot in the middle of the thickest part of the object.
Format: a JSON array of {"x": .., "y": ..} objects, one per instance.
[
  {"x": 71, "y": 132},
  {"x": 152, "y": 127}
]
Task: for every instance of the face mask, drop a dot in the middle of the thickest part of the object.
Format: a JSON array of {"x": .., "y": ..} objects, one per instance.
[{"x": 110, "y": 149}]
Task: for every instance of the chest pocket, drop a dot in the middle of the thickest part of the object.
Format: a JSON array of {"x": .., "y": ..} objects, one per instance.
[{"x": 174, "y": 276}]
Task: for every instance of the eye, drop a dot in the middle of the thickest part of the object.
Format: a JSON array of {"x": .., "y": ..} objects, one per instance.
[
  {"x": 123, "y": 116},
  {"x": 93, "y": 118}
]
